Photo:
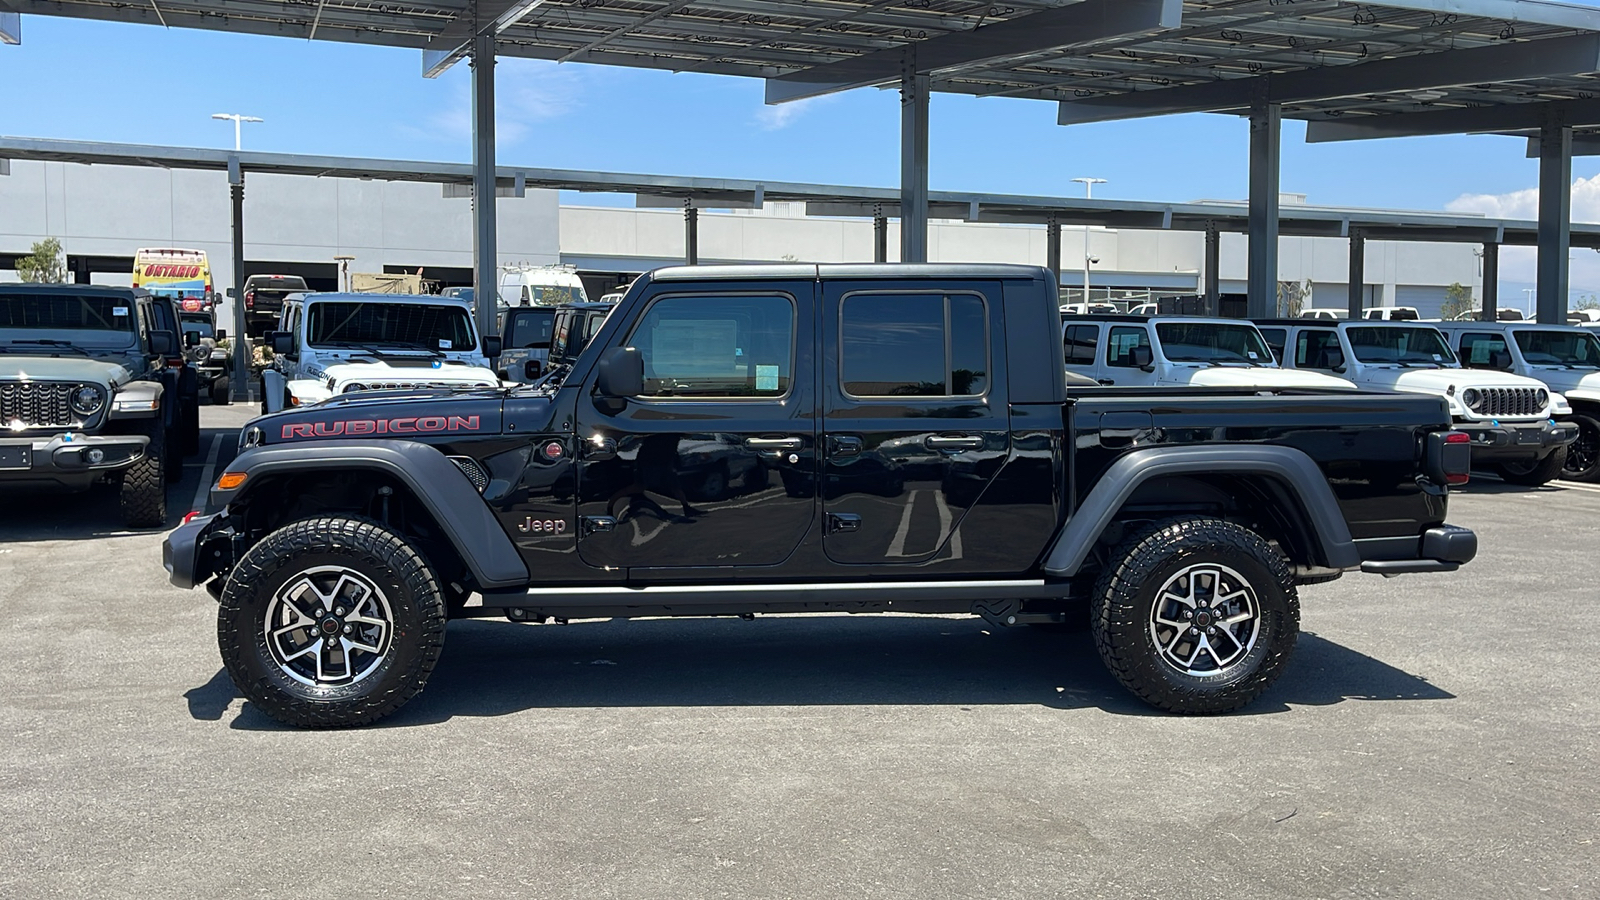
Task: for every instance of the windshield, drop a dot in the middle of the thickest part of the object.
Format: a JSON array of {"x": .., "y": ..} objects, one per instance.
[
  {"x": 531, "y": 330},
  {"x": 375, "y": 323},
  {"x": 553, "y": 294},
  {"x": 1559, "y": 348},
  {"x": 200, "y": 326},
  {"x": 1212, "y": 342},
  {"x": 1400, "y": 346},
  {"x": 103, "y": 320}
]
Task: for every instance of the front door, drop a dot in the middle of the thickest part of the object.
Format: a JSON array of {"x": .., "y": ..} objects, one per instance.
[
  {"x": 714, "y": 465},
  {"x": 916, "y": 424}
]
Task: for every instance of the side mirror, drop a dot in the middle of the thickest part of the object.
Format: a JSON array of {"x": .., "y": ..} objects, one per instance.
[
  {"x": 533, "y": 369},
  {"x": 191, "y": 338},
  {"x": 492, "y": 346},
  {"x": 1143, "y": 357},
  {"x": 163, "y": 343},
  {"x": 1500, "y": 359},
  {"x": 222, "y": 334},
  {"x": 621, "y": 373},
  {"x": 230, "y": 293},
  {"x": 282, "y": 343},
  {"x": 1334, "y": 358}
]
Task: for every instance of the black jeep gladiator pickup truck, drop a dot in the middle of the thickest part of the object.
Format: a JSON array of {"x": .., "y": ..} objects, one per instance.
[{"x": 800, "y": 438}]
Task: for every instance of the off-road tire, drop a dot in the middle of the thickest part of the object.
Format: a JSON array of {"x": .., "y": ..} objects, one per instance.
[
  {"x": 1126, "y": 594},
  {"x": 369, "y": 549},
  {"x": 1535, "y": 474},
  {"x": 142, "y": 493},
  {"x": 1582, "y": 462},
  {"x": 222, "y": 392}
]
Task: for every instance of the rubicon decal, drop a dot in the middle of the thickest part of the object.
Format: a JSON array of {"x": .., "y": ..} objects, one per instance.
[{"x": 403, "y": 425}]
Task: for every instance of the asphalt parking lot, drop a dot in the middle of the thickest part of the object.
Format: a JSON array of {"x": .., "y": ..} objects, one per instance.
[{"x": 1435, "y": 736}]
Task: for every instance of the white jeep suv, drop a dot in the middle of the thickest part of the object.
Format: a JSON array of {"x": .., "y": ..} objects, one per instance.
[
  {"x": 329, "y": 344},
  {"x": 1193, "y": 352}
]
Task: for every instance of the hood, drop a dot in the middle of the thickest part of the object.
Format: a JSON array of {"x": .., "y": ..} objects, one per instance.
[
  {"x": 1439, "y": 381},
  {"x": 405, "y": 416},
  {"x": 1262, "y": 377},
  {"x": 409, "y": 375},
  {"x": 62, "y": 368},
  {"x": 1569, "y": 381}
]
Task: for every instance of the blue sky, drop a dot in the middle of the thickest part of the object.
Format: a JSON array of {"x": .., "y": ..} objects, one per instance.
[{"x": 143, "y": 84}]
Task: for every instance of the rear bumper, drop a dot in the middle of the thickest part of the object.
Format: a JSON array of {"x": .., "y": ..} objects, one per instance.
[
  {"x": 1441, "y": 549},
  {"x": 67, "y": 461},
  {"x": 1523, "y": 441}
]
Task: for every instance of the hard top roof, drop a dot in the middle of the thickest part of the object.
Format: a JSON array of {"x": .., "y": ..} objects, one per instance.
[
  {"x": 86, "y": 290},
  {"x": 909, "y": 271}
]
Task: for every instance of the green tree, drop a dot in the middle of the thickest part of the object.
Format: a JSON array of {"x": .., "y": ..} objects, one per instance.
[
  {"x": 47, "y": 265},
  {"x": 1587, "y": 301},
  {"x": 1457, "y": 301}
]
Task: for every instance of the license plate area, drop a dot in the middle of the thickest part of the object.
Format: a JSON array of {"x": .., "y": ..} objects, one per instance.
[
  {"x": 16, "y": 458},
  {"x": 1529, "y": 435}
]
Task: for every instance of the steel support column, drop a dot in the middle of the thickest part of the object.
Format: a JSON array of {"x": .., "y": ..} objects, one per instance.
[
  {"x": 1213, "y": 275},
  {"x": 1491, "y": 283},
  {"x": 485, "y": 244},
  {"x": 691, "y": 234},
  {"x": 1266, "y": 128},
  {"x": 1555, "y": 220},
  {"x": 1052, "y": 247},
  {"x": 914, "y": 89},
  {"x": 241, "y": 345},
  {"x": 880, "y": 235},
  {"x": 1357, "y": 298}
]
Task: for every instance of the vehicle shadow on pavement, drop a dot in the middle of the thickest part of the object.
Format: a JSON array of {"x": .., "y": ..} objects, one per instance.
[
  {"x": 93, "y": 514},
  {"x": 496, "y": 669}
]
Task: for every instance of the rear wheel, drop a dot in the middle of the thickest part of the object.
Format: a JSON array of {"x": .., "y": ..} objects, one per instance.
[
  {"x": 331, "y": 622},
  {"x": 1583, "y": 454},
  {"x": 222, "y": 391},
  {"x": 1534, "y": 472},
  {"x": 1196, "y": 615}
]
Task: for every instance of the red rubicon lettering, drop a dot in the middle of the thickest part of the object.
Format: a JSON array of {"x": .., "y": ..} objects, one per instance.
[
  {"x": 328, "y": 429},
  {"x": 360, "y": 426},
  {"x": 302, "y": 429},
  {"x": 404, "y": 425},
  {"x": 462, "y": 423},
  {"x": 431, "y": 423}
]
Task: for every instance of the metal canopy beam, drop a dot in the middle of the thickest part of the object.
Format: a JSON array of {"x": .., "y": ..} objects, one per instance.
[
  {"x": 1582, "y": 145},
  {"x": 1080, "y": 23},
  {"x": 454, "y": 42},
  {"x": 1443, "y": 69},
  {"x": 1555, "y": 220},
  {"x": 1266, "y": 131},
  {"x": 1474, "y": 120}
]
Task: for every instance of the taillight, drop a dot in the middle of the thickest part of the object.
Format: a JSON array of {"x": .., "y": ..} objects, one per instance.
[
  {"x": 249, "y": 299},
  {"x": 1449, "y": 457}
]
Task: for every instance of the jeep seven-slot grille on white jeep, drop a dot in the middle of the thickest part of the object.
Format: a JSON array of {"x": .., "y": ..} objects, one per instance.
[
  {"x": 1510, "y": 402},
  {"x": 37, "y": 404}
]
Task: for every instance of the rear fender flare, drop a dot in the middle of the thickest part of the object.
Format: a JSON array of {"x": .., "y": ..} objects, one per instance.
[
  {"x": 1293, "y": 471},
  {"x": 433, "y": 479}
]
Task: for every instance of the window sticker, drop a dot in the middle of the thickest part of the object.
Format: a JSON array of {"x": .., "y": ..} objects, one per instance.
[
  {"x": 766, "y": 378},
  {"x": 1252, "y": 354},
  {"x": 444, "y": 343},
  {"x": 119, "y": 310}
]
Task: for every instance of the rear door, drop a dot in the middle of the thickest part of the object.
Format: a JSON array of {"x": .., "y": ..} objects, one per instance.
[
  {"x": 1080, "y": 342},
  {"x": 714, "y": 465},
  {"x": 916, "y": 423}
]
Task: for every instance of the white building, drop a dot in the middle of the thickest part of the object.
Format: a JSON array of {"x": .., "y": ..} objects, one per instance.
[{"x": 297, "y": 225}]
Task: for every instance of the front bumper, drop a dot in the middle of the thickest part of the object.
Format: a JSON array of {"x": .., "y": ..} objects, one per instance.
[
  {"x": 194, "y": 550},
  {"x": 1500, "y": 441},
  {"x": 1441, "y": 549},
  {"x": 67, "y": 460}
]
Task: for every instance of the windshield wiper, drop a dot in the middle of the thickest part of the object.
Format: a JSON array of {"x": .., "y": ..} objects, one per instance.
[{"x": 58, "y": 345}]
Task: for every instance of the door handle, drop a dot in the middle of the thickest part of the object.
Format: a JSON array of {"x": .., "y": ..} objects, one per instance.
[
  {"x": 953, "y": 442},
  {"x": 788, "y": 443},
  {"x": 1106, "y": 380}
]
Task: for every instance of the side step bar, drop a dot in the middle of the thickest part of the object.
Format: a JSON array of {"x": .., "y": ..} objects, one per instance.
[{"x": 882, "y": 594}]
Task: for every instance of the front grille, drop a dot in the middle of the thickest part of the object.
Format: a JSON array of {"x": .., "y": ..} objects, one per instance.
[
  {"x": 37, "y": 404},
  {"x": 1511, "y": 402},
  {"x": 474, "y": 472}
]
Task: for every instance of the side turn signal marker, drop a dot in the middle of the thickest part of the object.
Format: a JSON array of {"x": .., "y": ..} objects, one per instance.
[{"x": 230, "y": 480}]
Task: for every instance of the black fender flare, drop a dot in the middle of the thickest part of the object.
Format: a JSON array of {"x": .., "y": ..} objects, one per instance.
[
  {"x": 1292, "y": 469},
  {"x": 438, "y": 485}
]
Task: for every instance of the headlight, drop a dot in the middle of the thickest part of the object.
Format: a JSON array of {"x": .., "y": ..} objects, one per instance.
[
  {"x": 1473, "y": 398},
  {"x": 1543, "y": 397},
  {"x": 87, "y": 400}
]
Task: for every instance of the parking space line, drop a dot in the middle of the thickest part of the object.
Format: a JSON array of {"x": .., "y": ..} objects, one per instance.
[{"x": 204, "y": 490}]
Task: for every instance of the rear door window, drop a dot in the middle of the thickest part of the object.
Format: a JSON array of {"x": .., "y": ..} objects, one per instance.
[
  {"x": 914, "y": 345},
  {"x": 1079, "y": 344}
]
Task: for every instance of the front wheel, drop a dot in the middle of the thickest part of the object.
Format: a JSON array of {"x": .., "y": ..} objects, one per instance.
[
  {"x": 1196, "y": 615},
  {"x": 331, "y": 622},
  {"x": 222, "y": 391},
  {"x": 1534, "y": 472},
  {"x": 1583, "y": 454},
  {"x": 142, "y": 493}
]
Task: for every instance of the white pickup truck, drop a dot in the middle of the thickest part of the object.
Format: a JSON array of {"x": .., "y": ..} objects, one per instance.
[
  {"x": 1566, "y": 358},
  {"x": 329, "y": 344},
  {"x": 1194, "y": 352},
  {"x": 1512, "y": 419}
]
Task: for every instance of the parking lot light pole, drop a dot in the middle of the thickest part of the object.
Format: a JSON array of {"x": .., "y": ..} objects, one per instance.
[
  {"x": 1088, "y": 194},
  {"x": 241, "y": 342},
  {"x": 237, "y": 121}
]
